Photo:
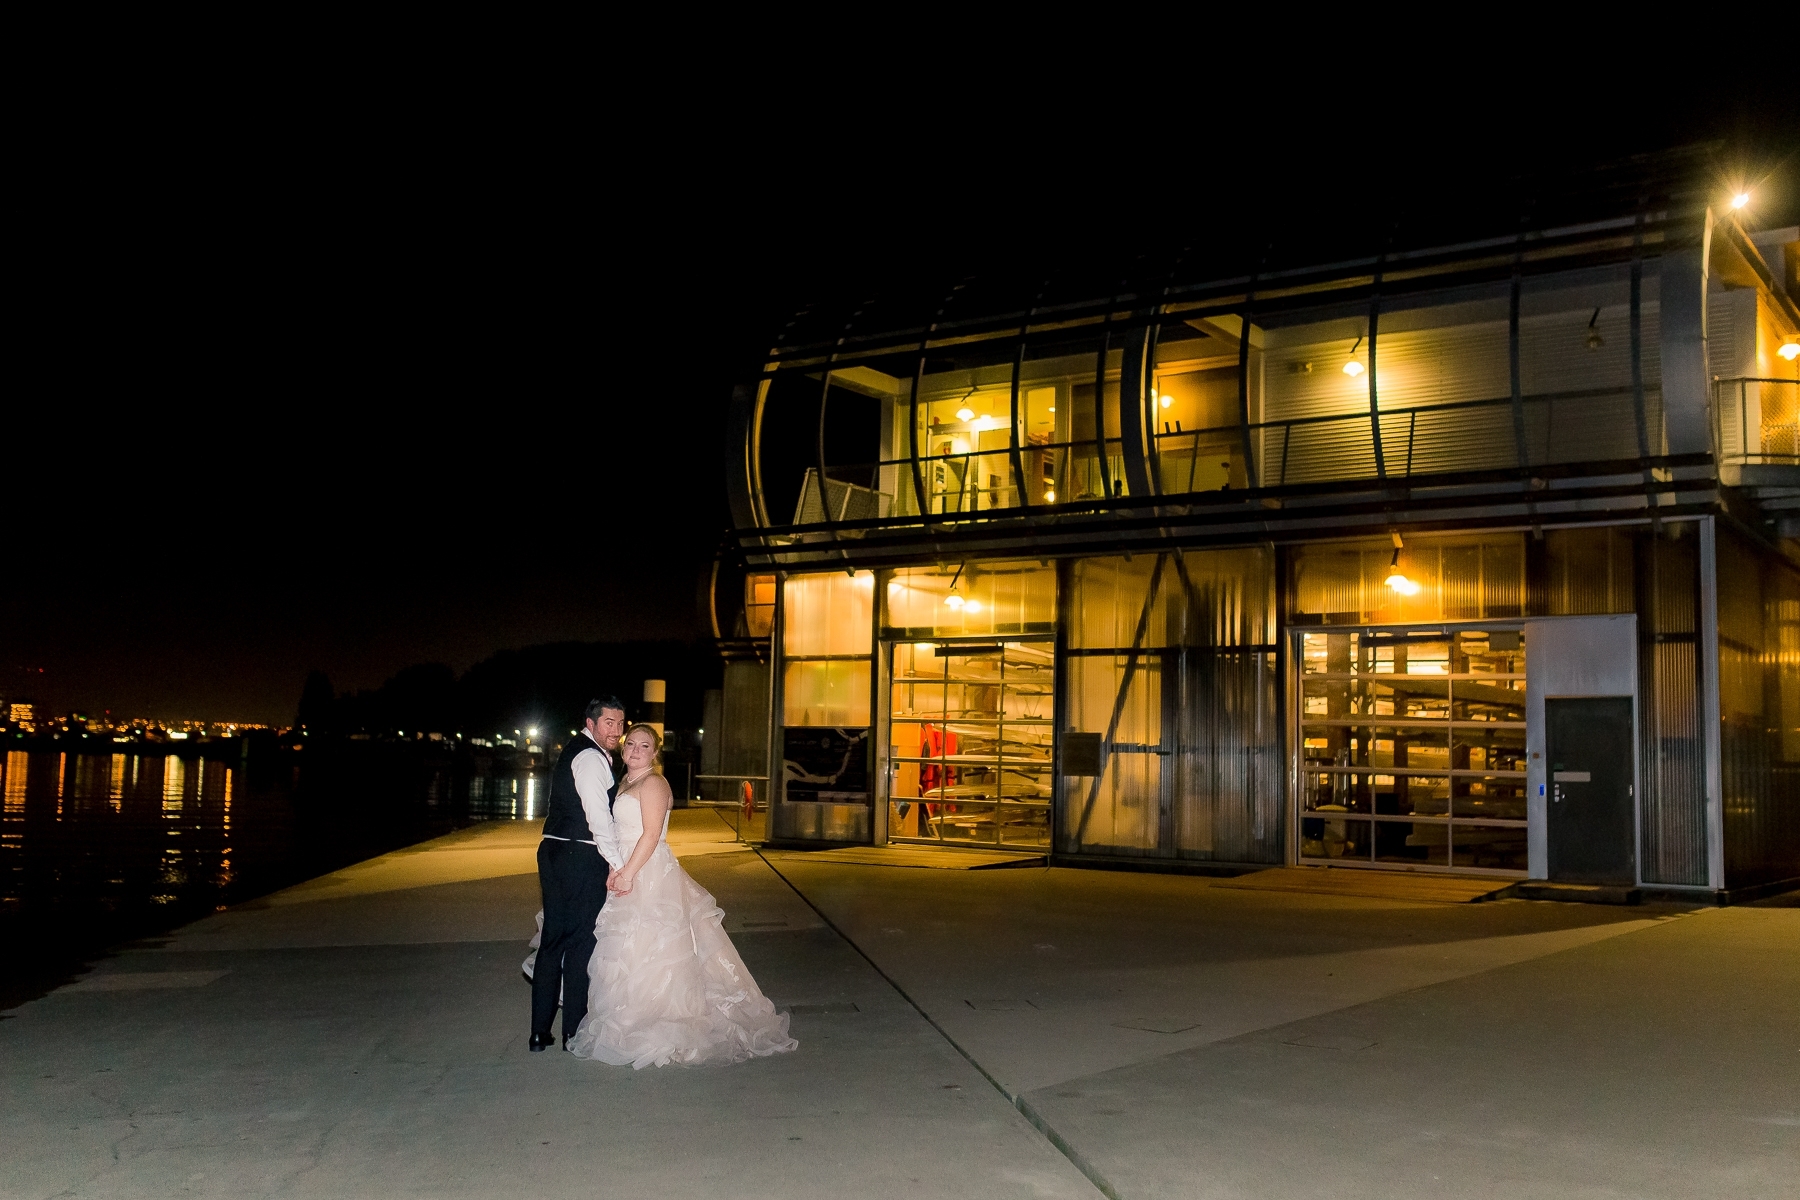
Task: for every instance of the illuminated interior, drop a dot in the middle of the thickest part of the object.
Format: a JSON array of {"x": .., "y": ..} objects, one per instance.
[{"x": 1413, "y": 748}]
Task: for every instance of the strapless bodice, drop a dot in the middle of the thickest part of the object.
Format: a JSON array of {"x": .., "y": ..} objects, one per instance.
[{"x": 628, "y": 820}]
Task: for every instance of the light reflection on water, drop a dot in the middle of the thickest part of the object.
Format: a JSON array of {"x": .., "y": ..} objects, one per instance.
[{"x": 88, "y": 840}]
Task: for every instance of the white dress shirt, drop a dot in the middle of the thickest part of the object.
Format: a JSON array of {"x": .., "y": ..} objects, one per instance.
[{"x": 593, "y": 776}]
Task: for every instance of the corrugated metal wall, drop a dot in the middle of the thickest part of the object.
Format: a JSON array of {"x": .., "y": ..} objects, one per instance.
[
  {"x": 1575, "y": 375},
  {"x": 1671, "y": 752},
  {"x": 1759, "y": 709}
]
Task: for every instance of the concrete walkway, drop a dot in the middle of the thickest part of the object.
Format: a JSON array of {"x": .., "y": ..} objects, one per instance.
[{"x": 1025, "y": 1032}]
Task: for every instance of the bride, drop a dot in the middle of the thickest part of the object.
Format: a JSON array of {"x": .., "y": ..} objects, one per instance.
[{"x": 665, "y": 985}]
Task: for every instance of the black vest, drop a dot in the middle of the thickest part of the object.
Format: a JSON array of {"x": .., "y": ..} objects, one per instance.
[{"x": 564, "y": 817}]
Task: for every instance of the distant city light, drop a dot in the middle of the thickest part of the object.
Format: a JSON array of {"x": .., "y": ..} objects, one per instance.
[{"x": 1741, "y": 199}]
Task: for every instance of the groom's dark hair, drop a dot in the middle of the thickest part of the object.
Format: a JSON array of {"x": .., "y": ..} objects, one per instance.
[{"x": 594, "y": 707}]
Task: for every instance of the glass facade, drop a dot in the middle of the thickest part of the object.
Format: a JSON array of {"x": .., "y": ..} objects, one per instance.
[
  {"x": 1200, "y": 574},
  {"x": 1198, "y": 399},
  {"x": 1172, "y": 680},
  {"x": 1157, "y": 706},
  {"x": 1462, "y": 577},
  {"x": 972, "y": 600}
]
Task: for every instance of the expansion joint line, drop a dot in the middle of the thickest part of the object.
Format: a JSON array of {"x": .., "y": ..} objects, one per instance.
[{"x": 1025, "y": 1107}]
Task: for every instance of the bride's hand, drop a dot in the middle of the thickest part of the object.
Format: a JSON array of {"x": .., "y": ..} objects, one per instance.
[{"x": 620, "y": 883}]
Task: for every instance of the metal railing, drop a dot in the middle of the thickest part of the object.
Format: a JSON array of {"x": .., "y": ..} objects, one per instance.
[
  {"x": 1546, "y": 429},
  {"x": 744, "y": 809},
  {"x": 1756, "y": 421}
]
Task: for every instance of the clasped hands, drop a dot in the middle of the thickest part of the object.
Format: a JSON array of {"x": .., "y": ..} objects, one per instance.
[{"x": 619, "y": 884}]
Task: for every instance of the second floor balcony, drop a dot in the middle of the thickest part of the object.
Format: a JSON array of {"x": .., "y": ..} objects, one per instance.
[{"x": 1567, "y": 374}]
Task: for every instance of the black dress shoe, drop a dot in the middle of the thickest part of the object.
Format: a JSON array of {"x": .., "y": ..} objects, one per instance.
[{"x": 540, "y": 1041}]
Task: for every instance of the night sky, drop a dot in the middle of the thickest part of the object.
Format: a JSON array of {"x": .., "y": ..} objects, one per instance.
[{"x": 361, "y": 393}]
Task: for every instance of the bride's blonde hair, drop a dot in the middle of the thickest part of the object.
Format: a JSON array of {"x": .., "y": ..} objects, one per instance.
[{"x": 655, "y": 741}]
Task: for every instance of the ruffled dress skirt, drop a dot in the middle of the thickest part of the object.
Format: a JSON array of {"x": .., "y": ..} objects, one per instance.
[{"x": 666, "y": 985}]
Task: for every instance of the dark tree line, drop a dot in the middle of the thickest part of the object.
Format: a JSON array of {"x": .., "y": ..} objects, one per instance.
[{"x": 543, "y": 686}]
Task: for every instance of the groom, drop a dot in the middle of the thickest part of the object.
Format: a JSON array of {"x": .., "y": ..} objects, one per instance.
[{"x": 580, "y": 849}]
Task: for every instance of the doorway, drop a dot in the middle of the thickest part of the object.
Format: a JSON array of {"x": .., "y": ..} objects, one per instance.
[{"x": 1589, "y": 817}]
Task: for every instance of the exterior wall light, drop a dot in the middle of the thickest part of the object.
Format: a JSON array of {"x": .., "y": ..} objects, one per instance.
[
  {"x": 1741, "y": 199},
  {"x": 954, "y": 600},
  {"x": 1791, "y": 351},
  {"x": 1396, "y": 578}
]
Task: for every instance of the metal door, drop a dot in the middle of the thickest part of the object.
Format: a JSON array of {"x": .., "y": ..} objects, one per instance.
[{"x": 1589, "y": 822}]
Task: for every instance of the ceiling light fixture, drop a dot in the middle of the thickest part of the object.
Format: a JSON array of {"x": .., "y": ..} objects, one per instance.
[
  {"x": 965, "y": 413},
  {"x": 1049, "y": 497},
  {"x": 1594, "y": 340},
  {"x": 1741, "y": 199},
  {"x": 1165, "y": 400},
  {"x": 1791, "y": 351},
  {"x": 1354, "y": 368}
]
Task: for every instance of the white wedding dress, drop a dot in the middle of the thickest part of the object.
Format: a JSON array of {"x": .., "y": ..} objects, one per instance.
[{"x": 665, "y": 984}]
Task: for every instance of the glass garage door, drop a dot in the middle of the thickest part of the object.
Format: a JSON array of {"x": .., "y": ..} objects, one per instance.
[
  {"x": 970, "y": 740},
  {"x": 1413, "y": 749}
]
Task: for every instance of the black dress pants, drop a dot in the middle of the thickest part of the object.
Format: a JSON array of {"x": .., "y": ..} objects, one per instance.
[{"x": 572, "y": 876}]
